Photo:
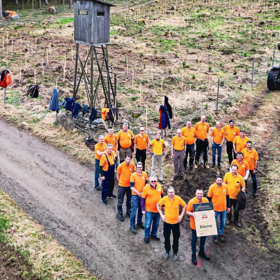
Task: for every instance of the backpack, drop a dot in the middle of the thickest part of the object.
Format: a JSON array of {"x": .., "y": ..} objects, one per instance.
[
  {"x": 33, "y": 91},
  {"x": 5, "y": 79},
  {"x": 241, "y": 199},
  {"x": 90, "y": 143}
]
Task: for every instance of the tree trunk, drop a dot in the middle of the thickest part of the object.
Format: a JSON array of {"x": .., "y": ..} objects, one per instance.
[
  {"x": 22, "y": 4},
  {"x": 16, "y": 2},
  {"x": 46, "y": 2},
  {"x": 0, "y": 8},
  {"x": 70, "y": 4},
  {"x": 40, "y": 4}
]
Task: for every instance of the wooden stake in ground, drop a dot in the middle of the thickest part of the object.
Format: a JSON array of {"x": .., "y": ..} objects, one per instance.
[
  {"x": 140, "y": 95},
  {"x": 20, "y": 74},
  {"x": 34, "y": 77},
  {"x": 4, "y": 95},
  {"x": 47, "y": 56},
  {"x": 64, "y": 69},
  {"x": 146, "y": 119}
]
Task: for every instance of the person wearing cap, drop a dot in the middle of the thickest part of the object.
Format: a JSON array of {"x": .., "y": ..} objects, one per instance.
[
  {"x": 235, "y": 183},
  {"x": 178, "y": 153},
  {"x": 171, "y": 220},
  {"x": 99, "y": 149},
  {"x": 124, "y": 171},
  {"x": 196, "y": 200},
  {"x": 252, "y": 157},
  {"x": 239, "y": 142},
  {"x": 141, "y": 142},
  {"x": 189, "y": 133},
  {"x": 159, "y": 150},
  {"x": 217, "y": 138},
  {"x": 107, "y": 172},
  {"x": 152, "y": 193},
  {"x": 202, "y": 145},
  {"x": 231, "y": 132},
  {"x": 112, "y": 138},
  {"x": 125, "y": 138},
  {"x": 138, "y": 180},
  {"x": 218, "y": 195}
]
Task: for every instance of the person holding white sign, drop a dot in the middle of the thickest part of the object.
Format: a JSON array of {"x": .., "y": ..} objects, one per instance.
[{"x": 197, "y": 199}]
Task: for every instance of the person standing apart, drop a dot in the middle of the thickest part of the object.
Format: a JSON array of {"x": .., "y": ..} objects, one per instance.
[
  {"x": 235, "y": 183},
  {"x": 189, "y": 133},
  {"x": 239, "y": 142},
  {"x": 124, "y": 172},
  {"x": 217, "y": 138},
  {"x": 151, "y": 195},
  {"x": 197, "y": 199},
  {"x": 171, "y": 220},
  {"x": 125, "y": 138},
  {"x": 157, "y": 153},
  {"x": 218, "y": 194},
  {"x": 138, "y": 180},
  {"x": 202, "y": 145},
  {"x": 252, "y": 157},
  {"x": 99, "y": 148},
  {"x": 112, "y": 138},
  {"x": 231, "y": 132},
  {"x": 141, "y": 142},
  {"x": 107, "y": 172},
  {"x": 178, "y": 153}
]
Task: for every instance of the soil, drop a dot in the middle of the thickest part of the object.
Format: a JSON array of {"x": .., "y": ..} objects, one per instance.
[
  {"x": 13, "y": 266},
  {"x": 58, "y": 191}
]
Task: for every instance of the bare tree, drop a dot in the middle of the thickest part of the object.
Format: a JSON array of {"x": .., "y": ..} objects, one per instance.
[
  {"x": 22, "y": 4},
  {"x": 40, "y": 4},
  {"x": 16, "y": 2},
  {"x": 46, "y": 2},
  {"x": 0, "y": 8},
  {"x": 70, "y": 4}
]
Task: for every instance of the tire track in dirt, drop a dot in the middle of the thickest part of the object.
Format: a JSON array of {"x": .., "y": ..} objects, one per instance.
[{"x": 58, "y": 191}]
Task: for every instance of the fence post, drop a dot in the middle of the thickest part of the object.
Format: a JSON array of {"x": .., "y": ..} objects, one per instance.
[
  {"x": 217, "y": 105},
  {"x": 4, "y": 95},
  {"x": 273, "y": 56},
  {"x": 253, "y": 74}
]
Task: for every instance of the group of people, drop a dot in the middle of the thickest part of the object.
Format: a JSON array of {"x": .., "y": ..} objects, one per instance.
[{"x": 144, "y": 196}]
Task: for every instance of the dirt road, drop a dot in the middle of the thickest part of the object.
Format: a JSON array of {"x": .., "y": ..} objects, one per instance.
[{"x": 58, "y": 192}]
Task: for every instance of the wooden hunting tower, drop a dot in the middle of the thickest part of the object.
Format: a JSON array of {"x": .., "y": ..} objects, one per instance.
[{"x": 92, "y": 28}]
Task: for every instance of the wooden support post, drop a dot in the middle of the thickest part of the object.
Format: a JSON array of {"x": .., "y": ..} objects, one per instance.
[{"x": 4, "y": 95}]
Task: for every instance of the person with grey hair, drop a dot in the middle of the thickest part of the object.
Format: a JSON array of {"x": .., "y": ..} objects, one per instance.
[
  {"x": 125, "y": 139},
  {"x": 171, "y": 219},
  {"x": 178, "y": 153},
  {"x": 151, "y": 195},
  {"x": 217, "y": 138},
  {"x": 99, "y": 149}
]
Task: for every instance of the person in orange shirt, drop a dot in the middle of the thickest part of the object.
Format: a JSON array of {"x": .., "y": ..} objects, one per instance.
[
  {"x": 99, "y": 148},
  {"x": 189, "y": 133},
  {"x": 252, "y": 157},
  {"x": 202, "y": 145},
  {"x": 239, "y": 142},
  {"x": 141, "y": 142},
  {"x": 235, "y": 183},
  {"x": 218, "y": 194},
  {"x": 243, "y": 166},
  {"x": 197, "y": 199},
  {"x": 112, "y": 138},
  {"x": 124, "y": 172},
  {"x": 107, "y": 172},
  {"x": 178, "y": 153},
  {"x": 231, "y": 132},
  {"x": 138, "y": 180},
  {"x": 152, "y": 193},
  {"x": 125, "y": 138},
  {"x": 217, "y": 138},
  {"x": 171, "y": 220}
]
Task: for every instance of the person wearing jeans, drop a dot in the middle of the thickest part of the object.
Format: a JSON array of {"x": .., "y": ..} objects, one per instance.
[
  {"x": 151, "y": 195},
  {"x": 171, "y": 219},
  {"x": 196, "y": 200},
  {"x": 218, "y": 194},
  {"x": 138, "y": 180},
  {"x": 252, "y": 157},
  {"x": 157, "y": 153},
  {"x": 217, "y": 137},
  {"x": 141, "y": 142},
  {"x": 99, "y": 149}
]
